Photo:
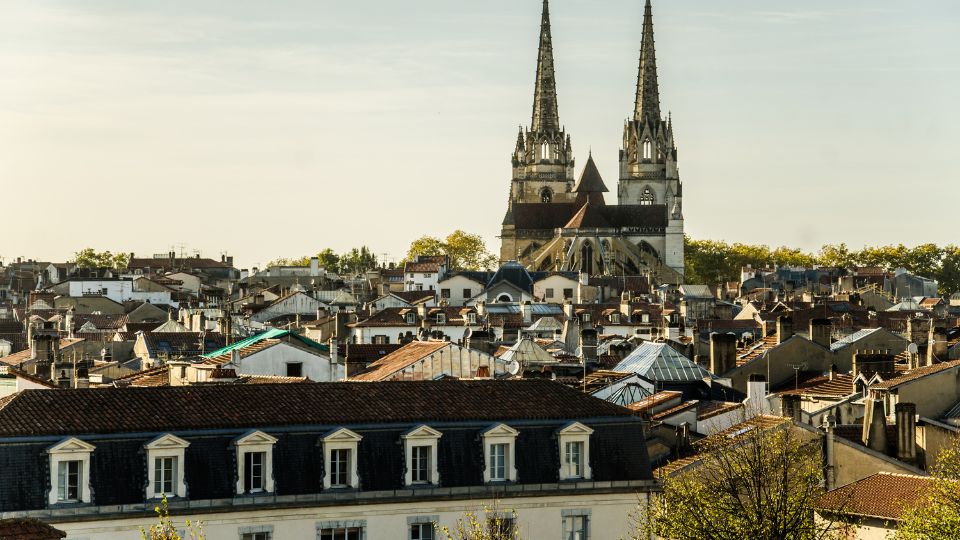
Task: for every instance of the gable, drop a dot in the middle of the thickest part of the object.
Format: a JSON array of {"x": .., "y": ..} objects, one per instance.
[
  {"x": 256, "y": 437},
  {"x": 72, "y": 445},
  {"x": 167, "y": 441},
  {"x": 422, "y": 432},
  {"x": 342, "y": 435},
  {"x": 500, "y": 430},
  {"x": 576, "y": 428}
]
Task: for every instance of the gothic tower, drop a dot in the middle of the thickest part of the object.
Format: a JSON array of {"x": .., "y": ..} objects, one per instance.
[{"x": 543, "y": 158}]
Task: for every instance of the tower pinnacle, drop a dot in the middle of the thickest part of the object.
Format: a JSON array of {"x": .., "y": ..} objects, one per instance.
[
  {"x": 647, "y": 106},
  {"x": 545, "y": 115}
]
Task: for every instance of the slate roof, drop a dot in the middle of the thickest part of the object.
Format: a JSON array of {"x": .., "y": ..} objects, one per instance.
[
  {"x": 590, "y": 179},
  {"x": 661, "y": 363},
  {"x": 400, "y": 359},
  {"x": 177, "y": 344},
  {"x": 882, "y": 495},
  {"x": 260, "y": 406},
  {"x": 852, "y": 338},
  {"x": 270, "y": 336},
  {"x": 366, "y": 353},
  {"x": 532, "y": 216},
  {"x": 28, "y": 529}
]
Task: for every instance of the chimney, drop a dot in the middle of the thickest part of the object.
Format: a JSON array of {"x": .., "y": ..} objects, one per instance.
[
  {"x": 875, "y": 426},
  {"x": 820, "y": 331},
  {"x": 244, "y": 274},
  {"x": 906, "y": 414},
  {"x": 177, "y": 373},
  {"x": 481, "y": 309},
  {"x": 829, "y": 423},
  {"x": 626, "y": 304},
  {"x": 683, "y": 439},
  {"x": 314, "y": 266},
  {"x": 230, "y": 260},
  {"x": 526, "y": 312},
  {"x": 335, "y": 357},
  {"x": 756, "y": 402},
  {"x": 568, "y": 311},
  {"x": 918, "y": 330},
  {"x": 937, "y": 345},
  {"x": 422, "y": 311},
  {"x": 784, "y": 328},
  {"x": 723, "y": 352},
  {"x": 588, "y": 345},
  {"x": 68, "y": 321}
]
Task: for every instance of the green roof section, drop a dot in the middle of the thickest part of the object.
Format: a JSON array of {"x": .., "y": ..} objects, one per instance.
[{"x": 273, "y": 333}]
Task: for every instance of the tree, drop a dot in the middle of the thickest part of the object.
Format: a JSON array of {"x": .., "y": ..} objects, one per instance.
[
  {"x": 466, "y": 251},
  {"x": 472, "y": 526},
  {"x": 164, "y": 528},
  {"x": 759, "y": 484},
  {"x": 357, "y": 260},
  {"x": 90, "y": 258},
  {"x": 938, "y": 515}
]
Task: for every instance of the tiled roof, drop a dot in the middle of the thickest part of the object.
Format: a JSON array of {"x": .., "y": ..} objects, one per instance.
[
  {"x": 915, "y": 374},
  {"x": 185, "y": 262},
  {"x": 25, "y": 355},
  {"x": 882, "y": 495},
  {"x": 840, "y": 385},
  {"x": 676, "y": 409},
  {"x": 756, "y": 350},
  {"x": 655, "y": 400},
  {"x": 852, "y": 338},
  {"x": 261, "y": 406},
  {"x": 728, "y": 436},
  {"x": 415, "y": 297},
  {"x": 158, "y": 376},
  {"x": 403, "y": 357},
  {"x": 244, "y": 352},
  {"x": 366, "y": 353},
  {"x": 28, "y": 529},
  {"x": 709, "y": 409}
]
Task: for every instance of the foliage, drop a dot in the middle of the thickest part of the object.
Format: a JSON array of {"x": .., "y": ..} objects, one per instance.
[
  {"x": 710, "y": 262},
  {"x": 498, "y": 526},
  {"x": 90, "y": 258},
  {"x": 762, "y": 485},
  {"x": 355, "y": 260},
  {"x": 164, "y": 528},
  {"x": 466, "y": 251},
  {"x": 938, "y": 516}
]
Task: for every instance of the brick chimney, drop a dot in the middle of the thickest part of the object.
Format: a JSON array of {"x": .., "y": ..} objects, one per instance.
[
  {"x": 918, "y": 330},
  {"x": 723, "y": 352},
  {"x": 875, "y": 426},
  {"x": 820, "y": 331},
  {"x": 906, "y": 414}
]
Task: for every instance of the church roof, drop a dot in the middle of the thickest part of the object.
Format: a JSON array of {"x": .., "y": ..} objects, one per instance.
[
  {"x": 532, "y": 216},
  {"x": 590, "y": 179},
  {"x": 589, "y": 216}
]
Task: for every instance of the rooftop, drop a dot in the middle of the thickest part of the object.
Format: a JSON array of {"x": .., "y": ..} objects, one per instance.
[{"x": 882, "y": 495}]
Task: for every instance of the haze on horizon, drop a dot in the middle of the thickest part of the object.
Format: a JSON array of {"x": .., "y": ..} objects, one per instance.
[{"x": 277, "y": 129}]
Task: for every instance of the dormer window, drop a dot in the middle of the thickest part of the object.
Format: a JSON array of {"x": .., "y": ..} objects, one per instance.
[
  {"x": 575, "y": 452},
  {"x": 411, "y": 318},
  {"x": 165, "y": 459},
  {"x": 499, "y": 444},
  {"x": 340, "y": 459},
  {"x": 420, "y": 449},
  {"x": 70, "y": 472},
  {"x": 585, "y": 317},
  {"x": 615, "y": 318},
  {"x": 472, "y": 318},
  {"x": 645, "y": 318},
  {"x": 255, "y": 463},
  {"x": 441, "y": 318}
]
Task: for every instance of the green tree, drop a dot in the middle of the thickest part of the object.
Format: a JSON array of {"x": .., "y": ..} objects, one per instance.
[
  {"x": 466, "y": 251},
  {"x": 949, "y": 274},
  {"x": 91, "y": 258},
  {"x": 329, "y": 260},
  {"x": 762, "y": 484},
  {"x": 357, "y": 260},
  {"x": 165, "y": 529},
  {"x": 473, "y": 526},
  {"x": 938, "y": 516}
]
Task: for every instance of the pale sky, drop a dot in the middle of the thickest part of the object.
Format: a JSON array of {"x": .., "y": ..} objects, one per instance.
[{"x": 278, "y": 128}]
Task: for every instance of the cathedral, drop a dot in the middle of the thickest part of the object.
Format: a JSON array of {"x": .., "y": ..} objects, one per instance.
[{"x": 558, "y": 222}]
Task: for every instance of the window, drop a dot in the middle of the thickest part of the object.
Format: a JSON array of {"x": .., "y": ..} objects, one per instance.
[
  {"x": 548, "y": 293},
  {"x": 419, "y": 286},
  {"x": 70, "y": 472},
  {"x": 545, "y": 151},
  {"x": 575, "y": 526},
  {"x": 340, "y": 468},
  {"x": 441, "y": 318},
  {"x": 614, "y": 318},
  {"x": 381, "y": 340},
  {"x": 575, "y": 452},
  {"x": 472, "y": 318},
  {"x": 501, "y": 526},
  {"x": 585, "y": 317},
  {"x": 647, "y": 149},
  {"x": 255, "y": 536},
  {"x": 340, "y": 463},
  {"x": 295, "y": 369},
  {"x": 421, "y": 464},
  {"x": 68, "y": 475},
  {"x": 467, "y": 293},
  {"x": 421, "y": 531},
  {"x": 573, "y": 459},
  {"x": 645, "y": 318},
  {"x": 567, "y": 294},
  {"x": 255, "y": 463},
  {"x": 411, "y": 318},
  {"x": 428, "y": 275},
  {"x": 420, "y": 449},
  {"x": 499, "y": 442},
  {"x": 444, "y": 293},
  {"x": 546, "y": 195},
  {"x": 647, "y": 198},
  {"x": 498, "y": 462},
  {"x": 253, "y": 477},
  {"x": 341, "y": 533},
  {"x": 164, "y": 476}
]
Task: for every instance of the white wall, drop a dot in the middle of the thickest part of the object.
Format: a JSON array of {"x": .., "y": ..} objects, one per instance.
[
  {"x": 457, "y": 284},
  {"x": 558, "y": 284},
  {"x": 273, "y": 361},
  {"x": 118, "y": 291},
  {"x": 539, "y": 518}
]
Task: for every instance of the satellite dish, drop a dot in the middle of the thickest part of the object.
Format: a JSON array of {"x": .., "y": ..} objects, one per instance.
[
  {"x": 513, "y": 367},
  {"x": 468, "y": 332},
  {"x": 912, "y": 348}
]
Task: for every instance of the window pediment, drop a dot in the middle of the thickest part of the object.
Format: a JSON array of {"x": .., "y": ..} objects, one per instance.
[
  {"x": 342, "y": 435},
  {"x": 422, "y": 432},
  {"x": 167, "y": 441},
  {"x": 256, "y": 437},
  {"x": 576, "y": 428},
  {"x": 500, "y": 430},
  {"x": 71, "y": 446}
]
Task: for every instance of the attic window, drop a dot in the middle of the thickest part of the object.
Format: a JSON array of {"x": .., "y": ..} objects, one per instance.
[
  {"x": 615, "y": 318},
  {"x": 441, "y": 318},
  {"x": 411, "y": 318},
  {"x": 472, "y": 318}
]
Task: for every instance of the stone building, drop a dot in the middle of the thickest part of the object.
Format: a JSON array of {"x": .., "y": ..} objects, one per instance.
[{"x": 555, "y": 223}]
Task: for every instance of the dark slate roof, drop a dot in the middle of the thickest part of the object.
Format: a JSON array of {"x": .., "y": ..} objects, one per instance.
[
  {"x": 590, "y": 179},
  {"x": 590, "y": 216},
  {"x": 127, "y": 410},
  {"x": 514, "y": 273},
  {"x": 557, "y": 215}
]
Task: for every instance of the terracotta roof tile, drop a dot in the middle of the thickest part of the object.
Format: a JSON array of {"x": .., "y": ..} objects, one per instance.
[
  {"x": 915, "y": 374},
  {"x": 730, "y": 434},
  {"x": 401, "y": 358},
  {"x": 883, "y": 495},
  {"x": 261, "y": 406}
]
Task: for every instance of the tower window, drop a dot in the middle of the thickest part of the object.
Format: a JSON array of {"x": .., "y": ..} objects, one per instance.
[
  {"x": 647, "y": 198},
  {"x": 546, "y": 195},
  {"x": 647, "y": 149},
  {"x": 545, "y": 151}
]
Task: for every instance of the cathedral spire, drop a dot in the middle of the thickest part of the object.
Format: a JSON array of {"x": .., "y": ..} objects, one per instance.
[
  {"x": 648, "y": 93},
  {"x": 545, "y": 115}
]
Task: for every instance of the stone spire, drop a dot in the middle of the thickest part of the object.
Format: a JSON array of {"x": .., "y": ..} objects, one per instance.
[
  {"x": 545, "y": 115},
  {"x": 647, "y": 106}
]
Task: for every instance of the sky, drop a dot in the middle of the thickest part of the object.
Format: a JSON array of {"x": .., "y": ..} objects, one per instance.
[{"x": 277, "y": 129}]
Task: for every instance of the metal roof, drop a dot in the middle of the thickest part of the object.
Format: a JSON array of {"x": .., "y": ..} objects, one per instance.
[
  {"x": 659, "y": 362},
  {"x": 852, "y": 338}
]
